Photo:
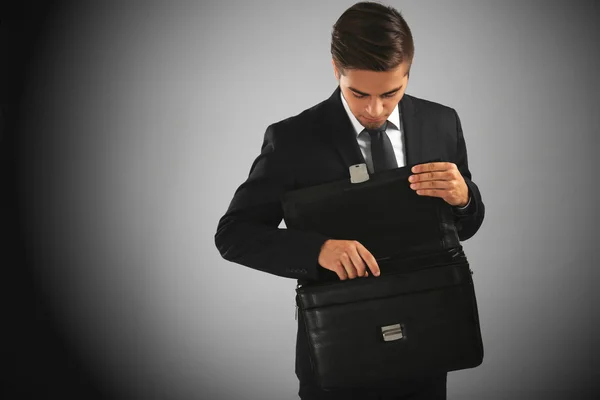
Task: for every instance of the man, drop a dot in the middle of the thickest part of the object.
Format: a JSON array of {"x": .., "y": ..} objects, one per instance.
[{"x": 372, "y": 51}]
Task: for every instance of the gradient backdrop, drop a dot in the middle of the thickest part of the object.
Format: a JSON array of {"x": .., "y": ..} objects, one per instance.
[{"x": 140, "y": 121}]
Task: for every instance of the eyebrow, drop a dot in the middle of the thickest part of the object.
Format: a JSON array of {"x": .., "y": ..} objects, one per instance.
[{"x": 367, "y": 94}]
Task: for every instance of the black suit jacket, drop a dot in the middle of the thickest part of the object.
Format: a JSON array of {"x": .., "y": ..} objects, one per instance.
[{"x": 318, "y": 146}]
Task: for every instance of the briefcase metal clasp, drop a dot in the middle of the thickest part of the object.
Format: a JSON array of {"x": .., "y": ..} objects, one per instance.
[{"x": 392, "y": 332}]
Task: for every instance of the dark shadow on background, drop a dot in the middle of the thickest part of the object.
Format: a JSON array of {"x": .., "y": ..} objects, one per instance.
[{"x": 37, "y": 361}]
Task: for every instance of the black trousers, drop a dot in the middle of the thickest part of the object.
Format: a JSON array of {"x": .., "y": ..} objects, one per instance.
[{"x": 433, "y": 388}]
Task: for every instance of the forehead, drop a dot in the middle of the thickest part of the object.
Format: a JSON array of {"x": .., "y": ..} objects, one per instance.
[{"x": 373, "y": 81}]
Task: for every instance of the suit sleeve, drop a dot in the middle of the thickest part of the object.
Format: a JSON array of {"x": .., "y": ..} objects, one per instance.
[
  {"x": 469, "y": 220},
  {"x": 249, "y": 234}
]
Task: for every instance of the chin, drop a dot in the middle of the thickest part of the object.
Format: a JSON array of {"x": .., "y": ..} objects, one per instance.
[{"x": 372, "y": 125}]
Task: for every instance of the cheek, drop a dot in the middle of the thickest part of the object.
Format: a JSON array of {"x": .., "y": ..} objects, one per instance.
[
  {"x": 394, "y": 101},
  {"x": 357, "y": 106}
]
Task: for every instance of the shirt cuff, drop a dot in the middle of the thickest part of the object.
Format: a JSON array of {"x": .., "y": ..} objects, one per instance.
[{"x": 465, "y": 207}]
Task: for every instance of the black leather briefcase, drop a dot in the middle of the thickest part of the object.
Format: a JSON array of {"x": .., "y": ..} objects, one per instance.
[{"x": 419, "y": 317}]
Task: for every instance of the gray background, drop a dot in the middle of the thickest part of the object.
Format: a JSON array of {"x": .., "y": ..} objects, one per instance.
[{"x": 146, "y": 118}]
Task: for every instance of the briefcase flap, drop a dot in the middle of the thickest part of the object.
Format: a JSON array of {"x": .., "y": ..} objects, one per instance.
[
  {"x": 384, "y": 214},
  {"x": 394, "y": 284}
]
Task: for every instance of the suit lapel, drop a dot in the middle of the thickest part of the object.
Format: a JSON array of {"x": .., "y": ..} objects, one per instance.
[
  {"x": 343, "y": 138},
  {"x": 341, "y": 132},
  {"x": 412, "y": 130}
]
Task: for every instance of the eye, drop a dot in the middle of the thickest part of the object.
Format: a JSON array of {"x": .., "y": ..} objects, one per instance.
[{"x": 385, "y": 96}]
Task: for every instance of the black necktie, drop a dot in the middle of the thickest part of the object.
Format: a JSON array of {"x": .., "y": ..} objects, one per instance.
[{"x": 382, "y": 152}]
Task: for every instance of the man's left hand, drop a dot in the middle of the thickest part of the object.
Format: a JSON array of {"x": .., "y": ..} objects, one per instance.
[{"x": 440, "y": 179}]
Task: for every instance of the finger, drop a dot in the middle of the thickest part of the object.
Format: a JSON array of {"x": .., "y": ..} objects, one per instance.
[
  {"x": 434, "y": 166},
  {"x": 432, "y": 192},
  {"x": 341, "y": 272},
  {"x": 348, "y": 265},
  {"x": 432, "y": 176},
  {"x": 358, "y": 262},
  {"x": 369, "y": 259},
  {"x": 442, "y": 185}
]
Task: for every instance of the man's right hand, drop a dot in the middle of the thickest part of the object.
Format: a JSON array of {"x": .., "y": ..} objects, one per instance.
[{"x": 347, "y": 258}]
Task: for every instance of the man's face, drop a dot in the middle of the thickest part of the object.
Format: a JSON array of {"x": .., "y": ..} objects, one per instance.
[{"x": 372, "y": 96}]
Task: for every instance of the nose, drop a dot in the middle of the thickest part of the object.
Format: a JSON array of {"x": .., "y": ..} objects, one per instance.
[{"x": 374, "y": 107}]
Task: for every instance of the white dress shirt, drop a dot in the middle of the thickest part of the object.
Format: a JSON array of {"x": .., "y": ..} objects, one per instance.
[{"x": 394, "y": 131}]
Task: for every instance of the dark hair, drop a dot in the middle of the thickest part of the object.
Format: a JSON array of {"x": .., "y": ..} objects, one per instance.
[{"x": 371, "y": 36}]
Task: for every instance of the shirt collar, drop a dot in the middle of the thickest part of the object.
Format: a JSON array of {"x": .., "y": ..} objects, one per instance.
[{"x": 394, "y": 117}]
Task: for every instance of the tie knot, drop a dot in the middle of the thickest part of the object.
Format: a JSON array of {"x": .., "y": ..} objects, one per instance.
[{"x": 376, "y": 131}]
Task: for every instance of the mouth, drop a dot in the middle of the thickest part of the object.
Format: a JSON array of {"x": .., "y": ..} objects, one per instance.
[{"x": 374, "y": 120}]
